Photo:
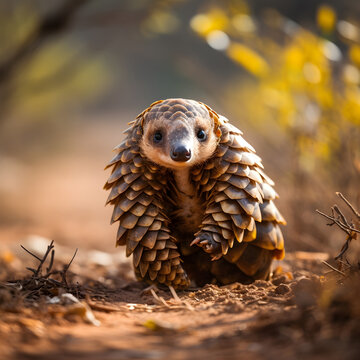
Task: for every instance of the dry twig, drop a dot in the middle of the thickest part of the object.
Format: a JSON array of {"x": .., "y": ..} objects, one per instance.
[
  {"x": 357, "y": 214},
  {"x": 39, "y": 283},
  {"x": 338, "y": 218},
  {"x": 333, "y": 268}
]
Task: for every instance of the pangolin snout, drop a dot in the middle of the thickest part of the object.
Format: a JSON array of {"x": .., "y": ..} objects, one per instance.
[{"x": 180, "y": 153}]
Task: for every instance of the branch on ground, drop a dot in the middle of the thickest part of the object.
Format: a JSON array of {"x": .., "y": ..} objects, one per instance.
[
  {"x": 338, "y": 218},
  {"x": 43, "y": 282}
]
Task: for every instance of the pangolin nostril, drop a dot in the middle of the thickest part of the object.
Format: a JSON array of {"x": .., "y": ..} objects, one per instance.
[{"x": 180, "y": 153}]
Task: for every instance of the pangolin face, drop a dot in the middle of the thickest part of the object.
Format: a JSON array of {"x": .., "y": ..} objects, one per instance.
[{"x": 178, "y": 133}]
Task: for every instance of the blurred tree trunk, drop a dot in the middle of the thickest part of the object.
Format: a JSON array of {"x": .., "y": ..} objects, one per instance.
[{"x": 51, "y": 24}]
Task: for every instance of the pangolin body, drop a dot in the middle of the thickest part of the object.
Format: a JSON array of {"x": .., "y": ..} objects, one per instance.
[{"x": 192, "y": 200}]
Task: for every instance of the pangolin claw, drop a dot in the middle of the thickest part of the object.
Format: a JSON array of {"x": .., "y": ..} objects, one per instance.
[
  {"x": 216, "y": 257},
  {"x": 195, "y": 242},
  {"x": 206, "y": 241}
]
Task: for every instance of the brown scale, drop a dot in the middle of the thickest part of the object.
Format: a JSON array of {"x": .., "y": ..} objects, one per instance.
[{"x": 239, "y": 223}]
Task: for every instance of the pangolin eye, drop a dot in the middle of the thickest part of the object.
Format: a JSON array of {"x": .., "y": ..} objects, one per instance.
[
  {"x": 158, "y": 136},
  {"x": 201, "y": 135}
]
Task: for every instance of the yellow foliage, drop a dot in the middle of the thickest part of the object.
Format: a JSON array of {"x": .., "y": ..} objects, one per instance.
[
  {"x": 215, "y": 19},
  {"x": 294, "y": 58},
  {"x": 243, "y": 23},
  {"x": 354, "y": 54},
  {"x": 248, "y": 58},
  {"x": 351, "y": 105},
  {"x": 303, "y": 93},
  {"x": 326, "y": 18},
  {"x": 351, "y": 75}
]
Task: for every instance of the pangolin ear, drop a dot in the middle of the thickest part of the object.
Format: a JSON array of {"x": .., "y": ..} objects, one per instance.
[{"x": 215, "y": 117}]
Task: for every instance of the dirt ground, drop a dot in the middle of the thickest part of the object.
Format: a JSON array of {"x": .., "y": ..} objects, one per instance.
[{"x": 298, "y": 314}]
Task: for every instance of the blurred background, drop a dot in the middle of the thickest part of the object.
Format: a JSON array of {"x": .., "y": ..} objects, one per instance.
[{"x": 74, "y": 72}]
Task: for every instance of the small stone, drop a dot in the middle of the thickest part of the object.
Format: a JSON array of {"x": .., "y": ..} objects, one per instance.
[
  {"x": 262, "y": 283},
  {"x": 280, "y": 280},
  {"x": 282, "y": 289}
]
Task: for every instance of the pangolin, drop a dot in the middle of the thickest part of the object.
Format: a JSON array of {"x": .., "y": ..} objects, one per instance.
[{"x": 192, "y": 200}]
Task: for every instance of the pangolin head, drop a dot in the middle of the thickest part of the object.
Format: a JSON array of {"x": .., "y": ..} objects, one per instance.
[{"x": 179, "y": 133}]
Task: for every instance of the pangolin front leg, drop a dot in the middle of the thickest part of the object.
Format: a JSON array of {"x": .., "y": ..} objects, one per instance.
[
  {"x": 155, "y": 255},
  {"x": 161, "y": 264}
]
